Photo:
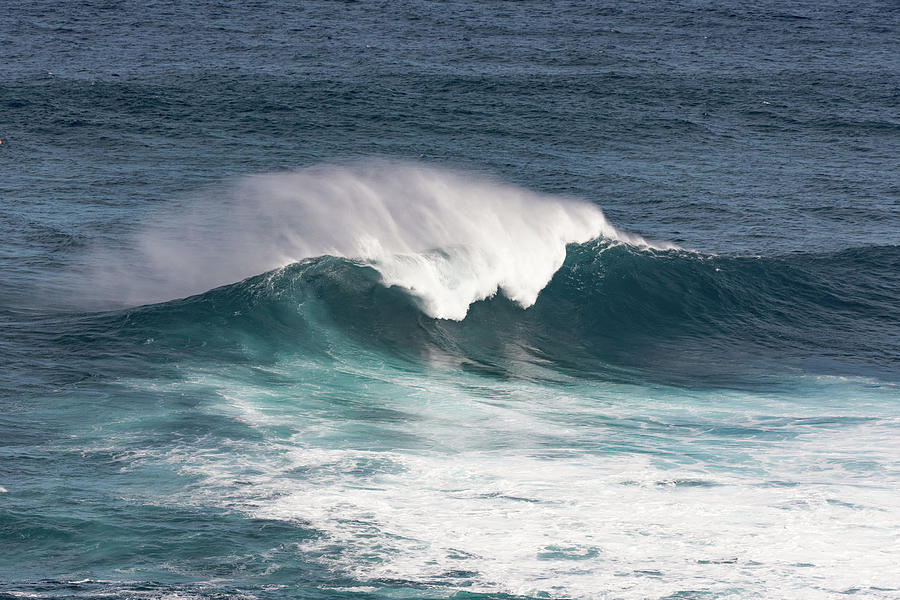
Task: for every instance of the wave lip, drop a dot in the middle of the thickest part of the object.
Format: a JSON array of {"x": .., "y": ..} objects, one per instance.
[{"x": 448, "y": 238}]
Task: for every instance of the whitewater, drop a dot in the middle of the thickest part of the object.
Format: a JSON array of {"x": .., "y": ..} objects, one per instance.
[{"x": 449, "y": 238}]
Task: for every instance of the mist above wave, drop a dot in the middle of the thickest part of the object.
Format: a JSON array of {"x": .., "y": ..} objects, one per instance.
[{"x": 447, "y": 237}]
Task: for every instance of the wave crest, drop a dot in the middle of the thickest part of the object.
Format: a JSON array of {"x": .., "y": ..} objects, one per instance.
[{"x": 448, "y": 238}]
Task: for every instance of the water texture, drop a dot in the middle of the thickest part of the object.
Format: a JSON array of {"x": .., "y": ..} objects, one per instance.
[{"x": 484, "y": 300}]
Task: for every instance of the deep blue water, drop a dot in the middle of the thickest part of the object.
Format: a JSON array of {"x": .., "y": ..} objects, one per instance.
[{"x": 457, "y": 299}]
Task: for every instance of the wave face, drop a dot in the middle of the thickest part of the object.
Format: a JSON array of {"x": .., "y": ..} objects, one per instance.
[
  {"x": 448, "y": 238},
  {"x": 611, "y": 311}
]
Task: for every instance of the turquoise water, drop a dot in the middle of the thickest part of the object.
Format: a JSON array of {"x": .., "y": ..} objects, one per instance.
[{"x": 414, "y": 300}]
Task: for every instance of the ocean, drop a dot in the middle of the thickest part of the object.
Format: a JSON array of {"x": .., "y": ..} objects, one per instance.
[{"x": 473, "y": 300}]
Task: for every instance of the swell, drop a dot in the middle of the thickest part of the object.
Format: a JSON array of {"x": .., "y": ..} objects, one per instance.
[
  {"x": 431, "y": 265},
  {"x": 611, "y": 311}
]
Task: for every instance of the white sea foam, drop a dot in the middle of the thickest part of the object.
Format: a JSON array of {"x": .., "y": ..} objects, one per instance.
[
  {"x": 574, "y": 491},
  {"x": 581, "y": 525},
  {"x": 447, "y": 237}
]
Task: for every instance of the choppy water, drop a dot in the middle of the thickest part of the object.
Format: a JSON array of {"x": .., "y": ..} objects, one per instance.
[{"x": 471, "y": 300}]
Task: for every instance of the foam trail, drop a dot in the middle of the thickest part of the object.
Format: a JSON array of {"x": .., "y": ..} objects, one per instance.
[{"x": 450, "y": 239}]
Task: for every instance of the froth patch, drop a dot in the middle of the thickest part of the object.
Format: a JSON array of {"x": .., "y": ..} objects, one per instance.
[
  {"x": 525, "y": 525},
  {"x": 577, "y": 492}
]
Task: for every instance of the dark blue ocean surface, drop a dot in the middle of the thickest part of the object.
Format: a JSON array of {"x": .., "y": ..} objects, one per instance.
[{"x": 457, "y": 299}]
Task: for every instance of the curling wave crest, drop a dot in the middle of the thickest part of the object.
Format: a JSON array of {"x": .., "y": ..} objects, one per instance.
[{"x": 448, "y": 238}]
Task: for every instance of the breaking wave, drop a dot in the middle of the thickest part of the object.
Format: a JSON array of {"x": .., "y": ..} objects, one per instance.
[{"x": 448, "y": 238}]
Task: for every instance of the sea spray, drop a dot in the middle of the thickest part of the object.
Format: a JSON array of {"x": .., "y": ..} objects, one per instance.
[{"x": 447, "y": 237}]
